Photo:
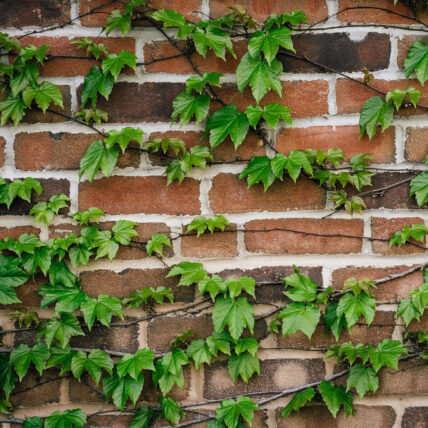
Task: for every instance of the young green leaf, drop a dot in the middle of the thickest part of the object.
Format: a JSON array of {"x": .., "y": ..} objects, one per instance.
[
  {"x": 397, "y": 96},
  {"x": 259, "y": 169},
  {"x": 159, "y": 295},
  {"x": 408, "y": 311},
  {"x": 92, "y": 215},
  {"x": 124, "y": 137},
  {"x": 156, "y": 243},
  {"x": 23, "y": 188},
  {"x": 303, "y": 288},
  {"x": 375, "y": 111},
  {"x": 419, "y": 188},
  {"x": 335, "y": 397},
  {"x": 386, "y": 354},
  {"x": 44, "y": 94},
  {"x": 298, "y": 401},
  {"x": 212, "y": 285},
  {"x": 114, "y": 63},
  {"x": 96, "y": 82},
  {"x": 352, "y": 307},
  {"x": 61, "y": 329},
  {"x": 332, "y": 321},
  {"x": 197, "y": 83},
  {"x": 297, "y": 316},
  {"x": 122, "y": 389},
  {"x": 199, "y": 352},
  {"x": 271, "y": 113},
  {"x": 93, "y": 363},
  {"x": 101, "y": 309},
  {"x": 190, "y": 272},
  {"x": 12, "y": 108},
  {"x": 142, "y": 418},
  {"x": 120, "y": 20},
  {"x": 417, "y": 61},
  {"x": 235, "y": 286},
  {"x": 22, "y": 356},
  {"x": 133, "y": 364},
  {"x": 244, "y": 364},
  {"x": 186, "y": 105},
  {"x": 230, "y": 411},
  {"x": 363, "y": 379},
  {"x": 171, "y": 410},
  {"x": 68, "y": 419}
]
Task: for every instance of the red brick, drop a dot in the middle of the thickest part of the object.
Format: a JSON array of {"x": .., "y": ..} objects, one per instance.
[
  {"x": 376, "y": 15},
  {"x": 391, "y": 291},
  {"x": 295, "y": 95},
  {"x": 381, "y": 328},
  {"x": 416, "y": 147},
  {"x": 41, "y": 13},
  {"x": 383, "y": 228},
  {"x": 15, "y": 232},
  {"x": 186, "y": 7},
  {"x": 122, "y": 284},
  {"x": 319, "y": 416},
  {"x": 382, "y": 147},
  {"x": 150, "y": 195},
  {"x": 75, "y": 66},
  {"x": 230, "y": 195},
  {"x": 289, "y": 242},
  {"x": 2, "y": 151},
  {"x": 415, "y": 417},
  {"x": 314, "y": 9},
  {"x": 27, "y": 293},
  {"x": 218, "y": 244},
  {"x": 49, "y": 151},
  {"x": 360, "y": 94},
  {"x": 421, "y": 325},
  {"x": 181, "y": 65},
  {"x": 274, "y": 375}
]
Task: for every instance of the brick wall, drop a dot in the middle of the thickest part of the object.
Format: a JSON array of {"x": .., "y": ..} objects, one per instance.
[{"x": 325, "y": 110}]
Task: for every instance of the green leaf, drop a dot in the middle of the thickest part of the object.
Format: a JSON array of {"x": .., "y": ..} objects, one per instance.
[
  {"x": 354, "y": 306},
  {"x": 67, "y": 299},
  {"x": 118, "y": 20},
  {"x": 93, "y": 363},
  {"x": 60, "y": 356},
  {"x": 190, "y": 272},
  {"x": 41, "y": 258},
  {"x": 95, "y": 81},
  {"x": 219, "y": 341},
  {"x": 123, "y": 137},
  {"x": 67, "y": 419},
  {"x": 23, "y": 188},
  {"x": 114, "y": 63},
  {"x": 386, "y": 354},
  {"x": 375, "y": 110},
  {"x": 33, "y": 422},
  {"x": 22, "y": 356},
  {"x": 201, "y": 224},
  {"x": 197, "y": 83},
  {"x": 212, "y": 37},
  {"x": 297, "y": 316},
  {"x": 157, "y": 144},
  {"x": 171, "y": 410},
  {"x": 230, "y": 411},
  {"x": 363, "y": 379},
  {"x": 397, "y": 96},
  {"x": 98, "y": 156},
  {"x": 25, "y": 78},
  {"x": 199, "y": 352},
  {"x": 12, "y": 108},
  {"x": 139, "y": 297},
  {"x": 30, "y": 52},
  {"x": 11, "y": 276},
  {"x": 408, "y": 311},
  {"x": 44, "y": 94},
  {"x": 169, "y": 17},
  {"x": 298, "y": 401},
  {"x": 260, "y": 75},
  {"x": 236, "y": 314},
  {"x": 123, "y": 231},
  {"x": 417, "y": 61},
  {"x": 259, "y": 169},
  {"x": 133, "y": 364},
  {"x": 335, "y": 397},
  {"x": 269, "y": 42},
  {"x": 246, "y": 344},
  {"x": 271, "y": 114},
  {"x": 60, "y": 274},
  {"x": 236, "y": 285},
  {"x": 7, "y": 376},
  {"x": 419, "y": 188},
  {"x": 156, "y": 243},
  {"x": 80, "y": 255},
  {"x": 101, "y": 309},
  {"x": 227, "y": 121},
  {"x": 186, "y": 105},
  {"x": 61, "y": 329},
  {"x": 244, "y": 364},
  {"x": 420, "y": 297},
  {"x": 304, "y": 289},
  {"x": 120, "y": 389},
  {"x": 142, "y": 418},
  {"x": 91, "y": 215}
]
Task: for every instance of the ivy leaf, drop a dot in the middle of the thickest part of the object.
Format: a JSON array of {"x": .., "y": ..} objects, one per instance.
[
  {"x": 98, "y": 156},
  {"x": 354, "y": 306},
  {"x": 22, "y": 356},
  {"x": 172, "y": 362},
  {"x": 259, "y": 169},
  {"x": 95, "y": 81},
  {"x": 60, "y": 356},
  {"x": 375, "y": 110},
  {"x": 114, "y": 63},
  {"x": 260, "y": 75},
  {"x": 236, "y": 314},
  {"x": 67, "y": 419},
  {"x": 118, "y": 20},
  {"x": 197, "y": 83},
  {"x": 137, "y": 298},
  {"x": 156, "y": 243},
  {"x": 169, "y": 17},
  {"x": 80, "y": 255},
  {"x": 123, "y": 231},
  {"x": 271, "y": 114},
  {"x": 386, "y": 354},
  {"x": 12, "y": 108},
  {"x": 171, "y": 410},
  {"x": 332, "y": 321},
  {"x": 23, "y": 188},
  {"x": 60, "y": 274},
  {"x": 11, "y": 276},
  {"x": 41, "y": 258},
  {"x": 236, "y": 285},
  {"x": 212, "y": 37},
  {"x": 417, "y": 61},
  {"x": 101, "y": 309},
  {"x": 61, "y": 329},
  {"x": 200, "y": 352},
  {"x": 219, "y": 341},
  {"x": 123, "y": 137},
  {"x": 120, "y": 389},
  {"x": 92, "y": 363},
  {"x": 25, "y": 78},
  {"x": 304, "y": 289},
  {"x": 297, "y": 316},
  {"x": 133, "y": 364},
  {"x": 419, "y": 188},
  {"x": 7, "y": 376},
  {"x": 44, "y": 94},
  {"x": 408, "y": 311},
  {"x": 142, "y": 418},
  {"x": 397, "y": 96},
  {"x": 230, "y": 411},
  {"x": 190, "y": 272},
  {"x": 186, "y": 105},
  {"x": 362, "y": 379},
  {"x": 269, "y": 42},
  {"x": 227, "y": 121},
  {"x": 244, "y": 364},
  {"x": 298, "y": 401},
  {"x": 91, "y": 215},
  {"x": 67, "y": 299},
  {"x": 420, "y": 297},
  {"x": 157, "y": 144},
  {"x": 335, "y": 397},
  {"x": 33, "y": 422},
  {"x": 201, "y": 224}
]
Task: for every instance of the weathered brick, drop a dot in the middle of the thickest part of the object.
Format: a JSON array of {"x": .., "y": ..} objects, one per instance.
[
  {"x": 421, "y": 325},
  {"x": 391, "y": 291},
  {"x": 339, "y": 52},
  {"x": 295, "y": 95},
  {"x": 383, "y": 228},
  {"x": 382, "y": 147},
  {"x": 222, "y": 244},
  {"x": 49, "y": 151},
  {"x": 2, "y": 151},
  {"x": 268, "y": 293},
  {"x": 274, "y": 375},
  {"x": 15, "y": 232},
  {"x": 85, "y": 391},
  {"x": 381, "y": 328},
  {"x": 347, "y": 104},
  {"x": 75, "y": 66},
  {"x": 416, "y": 147},
  {"x": 410, "y": 378},
  {"x": 415, "y": 417},
  {"x": 133, "y": 102},
  {"x": 127, "y": 195},
  {"x": 359, "y": 14},
  {"x": 122, "y": 284},
  {"x": 315, "y": 10},
  {"x": 230, "y": 195},
  {"x": 276, "y": 240},
  {"x": 41, "y": 13},
  {"x": 50, "y": 187},
  {"x": 36, "y": 390},
  {"x": 319, "y": 416},
  {"x": 117, "y": 420}
]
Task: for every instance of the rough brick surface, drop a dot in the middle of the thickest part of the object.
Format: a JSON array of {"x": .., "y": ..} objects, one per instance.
[
  {"x": 416, "y": 144},
  {"x": 415, "y": 417}
]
